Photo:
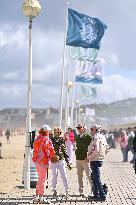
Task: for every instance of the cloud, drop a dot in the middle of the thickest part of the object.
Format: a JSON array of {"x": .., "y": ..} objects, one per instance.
[
  {"x": 117, "y": 48},
  {"x": 12, "y": 37},
  {"x": 116, "y": 87},
  {"x": 10, "y": 76},
  {"x": 12, "y": 95}
]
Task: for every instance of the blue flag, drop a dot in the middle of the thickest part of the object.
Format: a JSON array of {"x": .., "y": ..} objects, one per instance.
[{"x": 84, "y": 31}]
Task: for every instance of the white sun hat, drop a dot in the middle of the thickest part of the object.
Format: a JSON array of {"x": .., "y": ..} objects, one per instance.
[{"x": 46, "y": 127}]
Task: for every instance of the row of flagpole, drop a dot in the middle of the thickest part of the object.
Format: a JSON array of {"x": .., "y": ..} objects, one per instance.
[
  {"x": 69, "y": 113},
  {"x": 85, "y": 50}
]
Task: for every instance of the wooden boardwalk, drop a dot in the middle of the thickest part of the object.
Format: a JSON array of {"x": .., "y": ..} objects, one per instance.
[{"x": 119, "y": 177}]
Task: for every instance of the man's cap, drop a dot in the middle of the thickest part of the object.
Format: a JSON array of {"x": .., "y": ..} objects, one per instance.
[
  {"x": 46, "y": 127},
  {"x": 80, "y": 126}
]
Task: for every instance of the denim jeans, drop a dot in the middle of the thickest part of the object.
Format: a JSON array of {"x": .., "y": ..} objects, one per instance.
[
  {"x": 97, "y": 185},
  {"x": 125, "y": 153}
]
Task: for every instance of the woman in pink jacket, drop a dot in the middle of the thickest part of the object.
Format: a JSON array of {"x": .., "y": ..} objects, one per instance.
[
  {"x": 123, "y": 141},
  {"x": 70, "y": 141},
  {"x": 42, "y": 153}
]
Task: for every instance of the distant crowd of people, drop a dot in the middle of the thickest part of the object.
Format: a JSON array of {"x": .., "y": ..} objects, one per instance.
[{"x": 126, "y": 139}]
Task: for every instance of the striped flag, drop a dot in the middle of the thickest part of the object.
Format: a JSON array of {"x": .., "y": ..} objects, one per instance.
[
  {"x": 87, "y": 72},
  {"x": 88, "y": 92},
  {"x": 84, "y": 54}
]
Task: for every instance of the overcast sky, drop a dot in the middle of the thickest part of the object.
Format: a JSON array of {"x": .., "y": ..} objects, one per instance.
[{"x": 118, "y": 48}]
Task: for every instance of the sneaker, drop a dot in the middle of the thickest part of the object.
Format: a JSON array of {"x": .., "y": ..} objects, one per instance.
[
  {"x": 90, "y": 196},
  {"x": 101, "y": 198},
  {"x": 105, "y": 188},
  {"x": 67, "y": 194},
  {"x": 44, "y": 201},
  {"x": 36, "y": 200},
  {"x": 82, "y": 195},
  {"x": 96, "y": 198},
  {"x": 93, "y": 198},
  {"x": 54, "y": 193}
]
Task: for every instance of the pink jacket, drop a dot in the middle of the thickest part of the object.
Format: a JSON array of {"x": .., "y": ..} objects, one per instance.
[
  {"x": 70, "y": 136},
  {"x": 123, "y": 141},
  {"x": 43, "y": 150}
]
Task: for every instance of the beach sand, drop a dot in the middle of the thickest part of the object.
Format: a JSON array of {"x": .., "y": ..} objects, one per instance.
[
  {"x": 113, "y": 174},
  {"x": 11, "y": 169},
  {"x": 11, "y": 166}
]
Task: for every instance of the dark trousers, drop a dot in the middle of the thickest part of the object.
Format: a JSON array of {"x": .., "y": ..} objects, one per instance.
[
  {"x": 124, "y": 153},
  {"x": 97, "y": 185}
]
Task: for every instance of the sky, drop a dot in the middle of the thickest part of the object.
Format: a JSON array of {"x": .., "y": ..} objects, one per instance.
[{"x": 117, "y": 48}]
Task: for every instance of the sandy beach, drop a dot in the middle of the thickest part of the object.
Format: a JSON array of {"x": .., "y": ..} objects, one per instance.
[
  {"x": 119, "y": 177},
  {"x": 11, "y": 166}
]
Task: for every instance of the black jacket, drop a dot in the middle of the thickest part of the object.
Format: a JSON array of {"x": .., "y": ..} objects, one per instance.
[{"x": 134, "y": 144}]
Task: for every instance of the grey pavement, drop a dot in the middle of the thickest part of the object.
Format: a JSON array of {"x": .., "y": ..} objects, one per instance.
[{"x": 119, "y": 177}]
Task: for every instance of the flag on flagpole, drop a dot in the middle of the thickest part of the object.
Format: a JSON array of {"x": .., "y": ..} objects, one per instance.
[
  {"x": 86, "y": 72},
  {"x": 88, "y": 92},
  {"x": 84, "y": 31},
  {"x": 84, "y": 54}
]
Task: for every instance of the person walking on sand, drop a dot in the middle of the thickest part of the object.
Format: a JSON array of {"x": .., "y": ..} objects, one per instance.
[
  {"x": 7, "y": 133},
  {"x": 42, "y": 153}
]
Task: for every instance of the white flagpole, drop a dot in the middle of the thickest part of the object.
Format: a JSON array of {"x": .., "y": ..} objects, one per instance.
[
  {"x": 63, "y": 65},
  {"x": 79, "y": 117},
  {"x": 67, "y": 95},
  {"x": 73, "y": 98}
]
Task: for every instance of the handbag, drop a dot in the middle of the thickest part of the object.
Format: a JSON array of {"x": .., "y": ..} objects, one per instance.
[{"x": 55, "y": 159}]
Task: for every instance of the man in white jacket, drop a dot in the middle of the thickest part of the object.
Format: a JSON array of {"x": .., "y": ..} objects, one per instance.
[{"x": 97, "y": 150}]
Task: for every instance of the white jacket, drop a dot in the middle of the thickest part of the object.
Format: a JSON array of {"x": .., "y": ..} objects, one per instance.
[{"x": 98, "y": 148}]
